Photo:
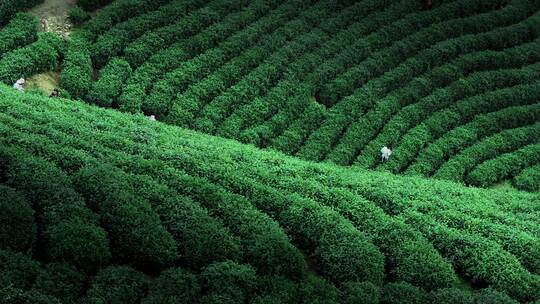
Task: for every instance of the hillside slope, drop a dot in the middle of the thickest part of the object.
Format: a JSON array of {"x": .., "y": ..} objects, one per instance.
[
  {"x": 112, "y": 201},
  {"x": 330, "y": 81}
]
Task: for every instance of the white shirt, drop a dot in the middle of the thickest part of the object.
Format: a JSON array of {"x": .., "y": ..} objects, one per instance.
[
  {"x": 386, "y": 152},
  {"x": 19, "y": 85},
  {"x": 152, "y": 117}
]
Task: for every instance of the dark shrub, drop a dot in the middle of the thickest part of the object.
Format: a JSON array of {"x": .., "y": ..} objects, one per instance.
[
  {"x": 174, "y": 286},
  {"x": 82, "y": 244},
  {"x": 117, "y": 285},
  {"x": 492, "y": 296},
  {"x": 403, "y": 293},
  {"x": 76, "y": 77},
  {"x": 228, "y": 282},
  {"x": 317, "y": 290},
  {"x": 360, "y": 292},
  {"x": 450, "y": 296},
  {"x": 17, "y": 225},
  {"x": 90, "y": 5},
  {"x": 106, "y": 90},
  {"x": 17, "y": 269},
  {"x": 62, "y": 281},
  {"x": 11, "y": 295},
  {"x": 77, "y": 15}
]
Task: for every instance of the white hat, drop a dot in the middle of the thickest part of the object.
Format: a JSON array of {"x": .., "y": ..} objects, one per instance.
[{"x": 20, "y": 81}]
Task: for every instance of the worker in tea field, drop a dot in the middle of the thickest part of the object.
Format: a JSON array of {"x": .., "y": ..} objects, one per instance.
[
  {"x": 428, "y": 4},
  {"x": 151, "y": 117},
  {"x": 385, "y": 153},
  {"x": 55, "y": 93},
  {"x": 19, "y": 85}
]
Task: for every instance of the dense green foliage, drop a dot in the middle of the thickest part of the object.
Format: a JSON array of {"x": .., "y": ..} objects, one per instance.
[
  {"x": 109, "y": 85},
  {"x": 529, "y": 179},
  {"x": 324, "y": 80},
  {"x": 8, "y": 8},
  {"x": 90, "y": 5},
  {"x": 21, "y": 31},
  {"x": 142, "y": 181},
  {"x": 99, "y": 206},
  {"x": 76, "y": 76},
  {"x": 77, "y": 15},
  {"x": 40, "y": 56}
]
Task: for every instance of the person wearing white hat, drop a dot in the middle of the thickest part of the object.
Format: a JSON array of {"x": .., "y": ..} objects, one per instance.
[
  {"x": 19, "y": 85},
  {"x": 385, "y": 153}
]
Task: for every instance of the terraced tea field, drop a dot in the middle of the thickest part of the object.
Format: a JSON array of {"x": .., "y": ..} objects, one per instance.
[{"x": 261, "y": 180}]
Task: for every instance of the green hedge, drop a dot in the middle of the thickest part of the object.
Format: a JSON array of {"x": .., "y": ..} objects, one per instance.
[
  {"x": 117, "y": 285},
  {"x": 227, "y": 282},
  {"x": 504, "y": 90},
  {"x": 62, "y": 281},
  {"x": 300, "y": 68},
  {"x": 405, "y": 107},
  {"x": 152, "y": 58},
  {"x": 272, "y": 68},
  {"x": 401, "y": 292},
  {"x": 90, "y": 5},
  {"x": 108, "y": 87},
  {"x": 378, "y": 30},
  {"x": 258, "y": 33},
  {"x": 118, "y": 11},
  {"x": 21, "y": 31},
  {"x": 528, "y": 179},
  {"x": 349, "y": 109},
  {"x": 186, "y": 105},
  {"x": 360, "y": 292},
  {"x": 10, "y": 295},
  {"x": 284, "y": 94},
  {"x": 250, "y": 192},
  {"x": 129, "y": 219},
  {"x": 289, "y": 141},
  {"x": 409, "y": 257},
  {"x": 258, "y": 18},
  {"x": 17, "y": 270},
  {"x": 505, "y": 166},
  {"x": 476, "y": 17},
  {"x": 77, "y": 15},
  {"x": 457, "y": 167},
  {"x": 112, "y": 42},
  {"x": 201, "y": 238},
  {"x": 438, "y": 152},
  {"x": 256, "y": 83},
  {"x": 479, "y": 259},
  {"x": 215, "y": 15},
  {"x": 278, "y": 116},
  {"x": 17, "y": 223},
  {"x": 76, "y": 75},
  {"x": 174, "y": 285},
  {"x": 74, "y": 236},
  {"x": 260, "y": 236},
  {"x": 40, "y": 56},
  {"x": 9, "y": 8},
  {"x": 523, "y": 245},
  {"x": 341, "y": 251}
]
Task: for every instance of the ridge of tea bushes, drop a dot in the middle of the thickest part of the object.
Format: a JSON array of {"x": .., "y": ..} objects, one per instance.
[
  {"x": 111, "y": 206},
  {"x": 142, "y": 163}
]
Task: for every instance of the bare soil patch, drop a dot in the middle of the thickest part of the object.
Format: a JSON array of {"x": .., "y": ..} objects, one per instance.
[
  {"x": 45, "y": 82},
  {"x": 53, "y": 16}
]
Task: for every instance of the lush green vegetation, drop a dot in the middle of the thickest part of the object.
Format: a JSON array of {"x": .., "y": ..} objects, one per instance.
[
  {"x": 322, "y": 80},
  {"x": 229, "y": 218},
  {"x": 254, "y": 185}
]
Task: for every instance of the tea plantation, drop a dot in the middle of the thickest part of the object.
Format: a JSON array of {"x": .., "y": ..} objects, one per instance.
[{"x": 261, "y": 180}]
